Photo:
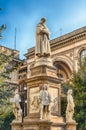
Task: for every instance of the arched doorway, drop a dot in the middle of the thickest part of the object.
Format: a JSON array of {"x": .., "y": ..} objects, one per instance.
[{"x": 63, "y": 70}]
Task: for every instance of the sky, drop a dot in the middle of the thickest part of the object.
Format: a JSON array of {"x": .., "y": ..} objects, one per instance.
[{"x": 24, "y": 15}]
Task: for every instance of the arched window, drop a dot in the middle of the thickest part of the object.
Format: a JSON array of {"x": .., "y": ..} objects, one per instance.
[{"x": 83, "y": 54}]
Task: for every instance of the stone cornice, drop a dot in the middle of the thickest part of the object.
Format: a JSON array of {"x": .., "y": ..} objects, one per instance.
[
  {"x": 67, "y": 39},
  {"x": 9, "y": 48}
]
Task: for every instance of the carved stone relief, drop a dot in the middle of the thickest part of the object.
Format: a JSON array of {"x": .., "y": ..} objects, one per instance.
[
  {"x": 34, "y": 107},
  {"x": 54, "y": 103}
]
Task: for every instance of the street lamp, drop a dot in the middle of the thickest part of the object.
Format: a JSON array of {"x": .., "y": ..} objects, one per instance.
[
  {"x": 25, "y": 100},
  {"x": 25, "y": 88}
]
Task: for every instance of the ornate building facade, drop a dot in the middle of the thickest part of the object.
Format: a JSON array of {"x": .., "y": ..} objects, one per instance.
[{"x": 66, "y": 51}]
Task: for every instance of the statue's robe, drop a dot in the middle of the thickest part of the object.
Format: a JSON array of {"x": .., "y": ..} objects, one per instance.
[{"x": 42, "y": 41}]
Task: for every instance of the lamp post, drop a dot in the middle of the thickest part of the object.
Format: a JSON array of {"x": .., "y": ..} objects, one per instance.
[{"x": 25, "y": 100}]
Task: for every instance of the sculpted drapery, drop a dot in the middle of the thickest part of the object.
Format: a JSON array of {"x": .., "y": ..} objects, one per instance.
[
  {"x": 16, "y": 106},
  {"x": 70, "y": 107},
  {"x": 42, "y": 39}
]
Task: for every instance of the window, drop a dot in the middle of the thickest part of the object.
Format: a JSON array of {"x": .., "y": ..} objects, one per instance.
[{"x": 83, "y": 54}]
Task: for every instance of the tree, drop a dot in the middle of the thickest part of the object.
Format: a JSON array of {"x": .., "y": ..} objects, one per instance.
[
  {"x": 5, "y": 91},
  {"x": 79, "y": 89}
]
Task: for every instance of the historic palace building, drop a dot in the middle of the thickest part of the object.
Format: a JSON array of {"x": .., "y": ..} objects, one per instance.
[
  {"x": 66, "y": 51},
  {"x": 12, "y": 81}
]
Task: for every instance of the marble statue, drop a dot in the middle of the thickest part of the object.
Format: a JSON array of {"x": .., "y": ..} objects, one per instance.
[
  {"x": 42, "y": 48},
  {"x": 44, "y": 99},
  {"x": 16, "y": 106},
  {"x": 70, "y": 107},
  {"x": 28, "y": 71}
]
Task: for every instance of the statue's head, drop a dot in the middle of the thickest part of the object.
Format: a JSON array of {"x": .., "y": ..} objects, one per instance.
[
  {"x": 16, "y": 91},
  {"x": 69, "y": 91},
  {"x": 45, "y": 86},
  {"x": 43, "y": 20}
]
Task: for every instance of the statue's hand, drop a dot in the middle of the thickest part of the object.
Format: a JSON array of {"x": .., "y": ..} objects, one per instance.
[{"x": 38, "y": 101}]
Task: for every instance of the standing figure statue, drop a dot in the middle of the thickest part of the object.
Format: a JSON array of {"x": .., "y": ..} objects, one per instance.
[
  {"x": 70, "y": 107},
  {"x": 44, "y": 99},
  {"x": 42, "y": 48},
  {"x": 16, "y": 106}
]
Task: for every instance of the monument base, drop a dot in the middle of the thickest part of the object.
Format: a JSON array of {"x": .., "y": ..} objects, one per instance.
[
  {"x": 43, "y": 61},
  {"x": 37, "y": 124},
  {"x": 16, "y": 125},
  {"x": 71, "y": 125}
]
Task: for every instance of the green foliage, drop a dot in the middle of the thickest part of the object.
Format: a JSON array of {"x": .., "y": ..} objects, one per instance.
[
  {"x": 63, "y": 106},
  {"x": 8, "y": 117},
  {"x": 64, "y": 90},
  {"x": 79, "y": 89},
  {"x": 5, "y": 90},
  {"x": 79, "y": 93}
]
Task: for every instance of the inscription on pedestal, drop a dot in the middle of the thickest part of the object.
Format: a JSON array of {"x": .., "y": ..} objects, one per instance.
[{"x": 36, "y": 71}]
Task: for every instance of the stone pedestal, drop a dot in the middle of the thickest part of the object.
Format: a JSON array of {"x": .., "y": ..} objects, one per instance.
[
  {"x": 31, "y": 124},
  {"x": 16, "y": 125},
  {"x": 71, "y": 125},
  {"x": 42, "y": 73},
  {"x": 43, "y": 61},
  {"x": 36, "y": 125}
]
